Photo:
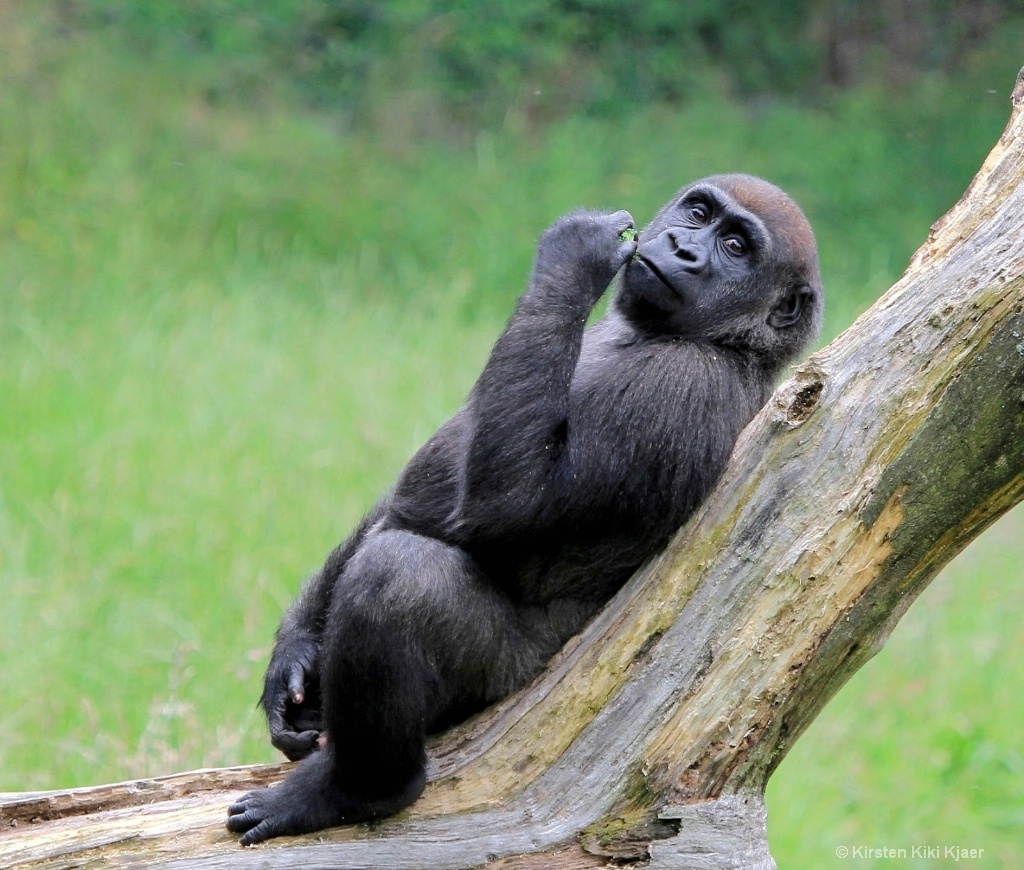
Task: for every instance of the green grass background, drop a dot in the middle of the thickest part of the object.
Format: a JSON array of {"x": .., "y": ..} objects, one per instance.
[{"x": 224, "y": 330}]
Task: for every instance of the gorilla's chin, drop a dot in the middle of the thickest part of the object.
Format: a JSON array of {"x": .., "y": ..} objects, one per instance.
[{"x": 647, "y": 297}]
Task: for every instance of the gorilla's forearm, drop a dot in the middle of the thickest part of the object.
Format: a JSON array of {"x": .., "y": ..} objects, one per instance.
[
  {"x": 519, "y": 407},
  {"x": 291, "y": 684}
]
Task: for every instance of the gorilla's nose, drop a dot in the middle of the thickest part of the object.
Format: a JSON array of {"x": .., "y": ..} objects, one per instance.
[{"x": 693, "y": 256}]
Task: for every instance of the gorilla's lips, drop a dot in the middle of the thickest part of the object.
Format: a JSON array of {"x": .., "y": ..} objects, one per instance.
[{"x": 650, "y": 273}]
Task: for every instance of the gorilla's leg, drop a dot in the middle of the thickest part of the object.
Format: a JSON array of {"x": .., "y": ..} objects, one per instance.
[{"x": 416, "y": 638}]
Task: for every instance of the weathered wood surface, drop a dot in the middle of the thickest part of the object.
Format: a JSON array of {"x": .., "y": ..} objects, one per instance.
[{"x": 651, "y": 736}]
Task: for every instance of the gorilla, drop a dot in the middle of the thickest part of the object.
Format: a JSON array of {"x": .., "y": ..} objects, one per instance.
[{"x": 577, "y": 455}]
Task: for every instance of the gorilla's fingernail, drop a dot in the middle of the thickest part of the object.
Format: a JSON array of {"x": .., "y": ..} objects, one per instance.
[{"x": 298, "y": 698}]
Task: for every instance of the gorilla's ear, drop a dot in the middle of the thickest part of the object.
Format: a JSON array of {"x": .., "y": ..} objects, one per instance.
[{"x": 788, "y": 311}]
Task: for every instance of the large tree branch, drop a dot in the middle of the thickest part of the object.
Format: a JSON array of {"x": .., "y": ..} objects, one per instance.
[{"x": 654, "y": 732}]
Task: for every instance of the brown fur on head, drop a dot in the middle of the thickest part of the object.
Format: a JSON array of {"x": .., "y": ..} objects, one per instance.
[{"x": 791, "y": 231}]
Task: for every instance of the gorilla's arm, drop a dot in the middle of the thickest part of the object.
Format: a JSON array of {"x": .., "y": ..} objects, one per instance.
[
  {"x": 291, "y": 686},
  {"x": 502, "y": 451},
  {"x": 517, "y": 412}
]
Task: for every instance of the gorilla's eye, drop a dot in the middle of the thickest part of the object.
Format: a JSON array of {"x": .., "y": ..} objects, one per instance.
[
  {"x": 735, "y": 245},
  {"x": 699, "y": 213}
]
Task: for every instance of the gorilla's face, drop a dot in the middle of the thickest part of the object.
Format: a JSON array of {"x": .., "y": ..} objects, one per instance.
[
  {"x": 731, "y": 259},
  {"x": 695, "y": 249}
]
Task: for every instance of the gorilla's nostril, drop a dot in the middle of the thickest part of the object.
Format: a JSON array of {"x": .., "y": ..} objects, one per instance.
[{"x": 686, "y": 250}]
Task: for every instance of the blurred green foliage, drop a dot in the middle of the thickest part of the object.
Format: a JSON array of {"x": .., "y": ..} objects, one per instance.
[
  {"x": 241, "y": 284},
  {"x": 474, "y": 60}
]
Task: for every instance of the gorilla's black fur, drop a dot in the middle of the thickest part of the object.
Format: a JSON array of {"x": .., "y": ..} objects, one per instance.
[{"x": 578, "y": 453}]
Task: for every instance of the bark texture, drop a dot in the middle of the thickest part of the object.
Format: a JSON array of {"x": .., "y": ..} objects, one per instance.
[{"x": 652, "y": 735}]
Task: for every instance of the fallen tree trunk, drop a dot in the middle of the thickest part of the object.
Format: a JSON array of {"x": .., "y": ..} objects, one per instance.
[{"x": 651, "y": 736}]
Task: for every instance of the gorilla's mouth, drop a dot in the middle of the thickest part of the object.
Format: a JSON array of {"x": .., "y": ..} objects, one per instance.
[{"x": 654, "y": 270}]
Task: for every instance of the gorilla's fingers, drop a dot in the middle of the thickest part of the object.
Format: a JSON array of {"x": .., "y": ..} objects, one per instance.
[
  {"x": 623, "y": 219},
  {"x": 263, "y": 831},
  {"x": 624, "y": 252},
  {"x": 296, "y": 683},
  {"x": 295, "y": 746},
  {"x": 275, "y": 719},
  {"x": 625, "y": 230}
]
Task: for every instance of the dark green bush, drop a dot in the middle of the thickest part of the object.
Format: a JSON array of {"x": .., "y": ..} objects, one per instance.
[{"x": 476, "y": 60}]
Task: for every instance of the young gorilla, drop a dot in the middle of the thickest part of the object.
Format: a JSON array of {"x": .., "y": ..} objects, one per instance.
[{"x": 575, "y": 458}]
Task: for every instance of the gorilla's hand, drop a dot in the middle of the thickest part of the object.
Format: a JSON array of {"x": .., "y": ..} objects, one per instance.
[
  {"x": 291, "y": 696},
  {"x": 586, "y": 244}
]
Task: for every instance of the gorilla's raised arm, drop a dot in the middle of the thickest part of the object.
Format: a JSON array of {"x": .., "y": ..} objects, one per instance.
[{"x": 518, "y": 410}]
